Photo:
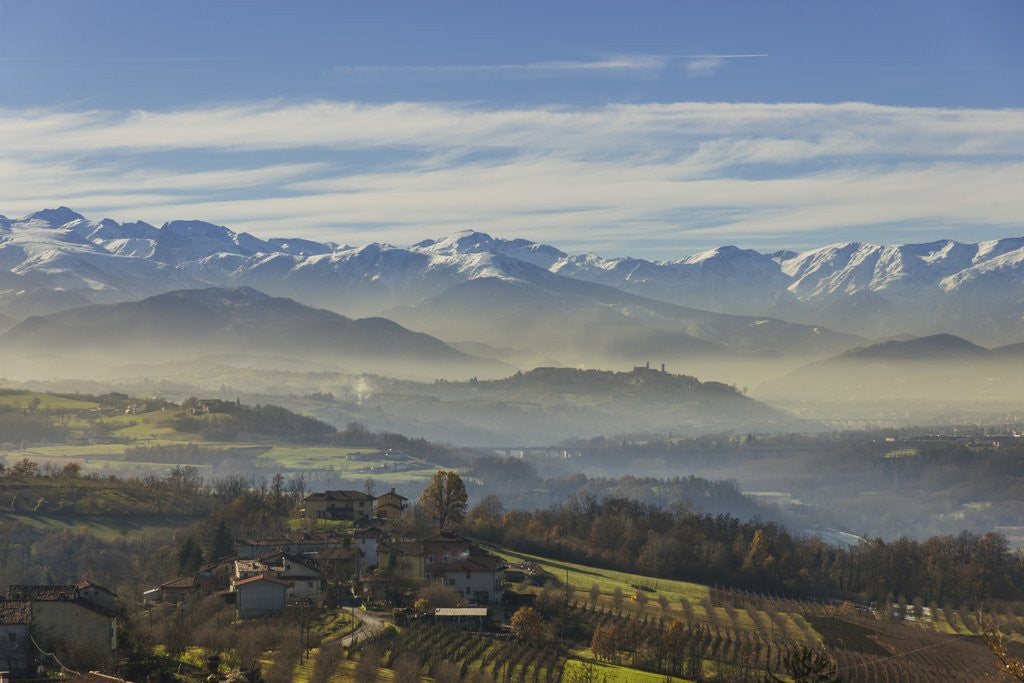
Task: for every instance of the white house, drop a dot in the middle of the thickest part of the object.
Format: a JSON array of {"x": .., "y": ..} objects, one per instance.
[
  {"x": 476, "y": 576},
  {"x": 367, "y": 540},
  {"x": 304, "y": 580},
  {"x": 260, "y": 596}
]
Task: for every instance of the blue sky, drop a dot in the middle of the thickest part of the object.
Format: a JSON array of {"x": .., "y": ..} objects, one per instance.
[{"x": 644, "y": 128}]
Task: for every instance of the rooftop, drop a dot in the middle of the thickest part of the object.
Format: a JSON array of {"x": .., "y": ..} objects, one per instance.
[
  {"x": 14, "y": 613},
  {"x": 261, "y": 577},
  {"x": 339, "y": 495},
  {"x": 42, "y": 592},
  {"x": 460, "y": 612}
]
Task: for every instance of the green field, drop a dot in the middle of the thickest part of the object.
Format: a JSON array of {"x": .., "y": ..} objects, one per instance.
[
  {"x": 582, "y": 577},
  {"x": 613, "y": 673},
  {"x": 155, "y": 429},
  {"x": 902, "y": 453},
  {"x": 47, "y": 402}
]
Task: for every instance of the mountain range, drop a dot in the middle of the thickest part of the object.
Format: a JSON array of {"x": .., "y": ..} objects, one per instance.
[
  {"x": 236, "y": 323},
  {"x": 57, "y": 259}
]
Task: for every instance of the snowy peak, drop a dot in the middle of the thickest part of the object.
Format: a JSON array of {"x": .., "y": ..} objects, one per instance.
[
  {"x": 54, "y": 218},
  {"x": 861, "y": 288},
  {"x": 299, "y": 247},
  {"x": 473, "y": 242},
  {"x": 181, "y": 241}
]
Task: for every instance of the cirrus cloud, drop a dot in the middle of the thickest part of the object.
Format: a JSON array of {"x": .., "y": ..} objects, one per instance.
[{"x": 617, "y": 177}]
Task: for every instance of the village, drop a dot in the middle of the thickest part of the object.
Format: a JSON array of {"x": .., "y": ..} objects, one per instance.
[{"x": 348, "y": 557}]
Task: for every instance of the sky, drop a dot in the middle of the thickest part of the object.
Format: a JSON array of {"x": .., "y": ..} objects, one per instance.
[{"x": 652, "y": 129}]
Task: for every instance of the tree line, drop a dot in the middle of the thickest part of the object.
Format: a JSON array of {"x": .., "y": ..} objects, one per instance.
[{"x": 675, "y": 542}]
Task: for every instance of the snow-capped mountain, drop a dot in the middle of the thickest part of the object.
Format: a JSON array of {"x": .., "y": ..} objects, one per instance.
[{"x": 56, "y": 258}]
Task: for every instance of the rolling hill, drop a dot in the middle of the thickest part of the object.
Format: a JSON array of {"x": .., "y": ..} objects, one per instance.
[
  {"x": 547, "y": 405},
  {"x": 938, "y": 369},
  {"x": 186, "y": 324}
]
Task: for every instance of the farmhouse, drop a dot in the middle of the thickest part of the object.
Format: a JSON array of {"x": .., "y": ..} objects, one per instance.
[
  {"x": 404, "y": 557},
  {"x": 82, "y": 613},
  {"x": 303, "y": 579},
  {"x": 451, "y": 560},
  {"x": 260, "y": 596},
  {"x": 389, "y": 505},
  {"x": 15, "y": 648},
  {"x": 338, "y": 564},
  {"x": 367, "y": 540},
  {"x": 478, "y": 576},
  {"x": 345, "y": 505},
  {"x": 185, "y": 588},
  {"x": 444, "y": 546}
]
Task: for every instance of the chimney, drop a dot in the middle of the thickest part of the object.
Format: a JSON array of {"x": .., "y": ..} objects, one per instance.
[
  {"x": 648, "y": 365},
  {"x": 663, "y": 367}
]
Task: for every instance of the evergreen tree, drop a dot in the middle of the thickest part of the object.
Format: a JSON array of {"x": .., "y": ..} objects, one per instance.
[
  {"x": 190, "y": 556},
  {"x": 222, "y": 545}
]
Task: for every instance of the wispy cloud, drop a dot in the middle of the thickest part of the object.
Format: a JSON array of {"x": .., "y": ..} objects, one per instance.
[
  {"x": 700, "y": 173},
  {"x": 628, "y": 64},
  {"x": 710, "y": 64},
  {"x": 704, "y": 64}
]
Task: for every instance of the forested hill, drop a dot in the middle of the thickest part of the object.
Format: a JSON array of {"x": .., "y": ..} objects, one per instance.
[{"x": 640, "y": 383}]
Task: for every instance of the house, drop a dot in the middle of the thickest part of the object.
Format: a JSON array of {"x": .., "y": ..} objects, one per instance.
[
  {"x": 83, "y": 613},
  {"x": 339, "y": 564},
  {"x": 186, "y": 588},
  {"x": 97, "y": 594},
  {"x": 477, "y": 576},
  {"x": 367, "y": 540},
  {"x": 15, "y": 647},
  {"x": 389, "y": 505},
  {"x": 260, "y": 596},
  {"x": 445, "y": 545},
  {"x": 451, "y": 560},
  {"x": 293, "y": 544},
  {"x": 245, "y": 569},
  {"x": 219, "y": 572},
  {"x": 350, "y": 505},
  {"x": 407, "y": 558},
  {"x": 414, "y": 558},
  {"x": 304, "y": 581}
]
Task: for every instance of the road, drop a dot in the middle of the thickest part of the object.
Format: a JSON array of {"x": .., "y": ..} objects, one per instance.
[{"x": 370, "y": 623}]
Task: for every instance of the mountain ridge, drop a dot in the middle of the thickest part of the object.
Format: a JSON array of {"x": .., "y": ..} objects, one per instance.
[
  {"x": 869, "y": 289},
  {"x": 238, "y": 321}
]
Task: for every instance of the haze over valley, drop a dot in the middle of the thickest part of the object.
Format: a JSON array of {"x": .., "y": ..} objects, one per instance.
[{"x": 568, "y": 342}]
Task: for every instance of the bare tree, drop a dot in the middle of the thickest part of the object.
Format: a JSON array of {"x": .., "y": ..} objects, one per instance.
[
  {"x": 663, "y": 603},
  {"x": 617, "y": 598},
  {"x": 993, "y": 639},
  {"x": 407, "y": 669},
  {"x": 595, "y": 594},
  {"x": 366, "y": 667}
]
